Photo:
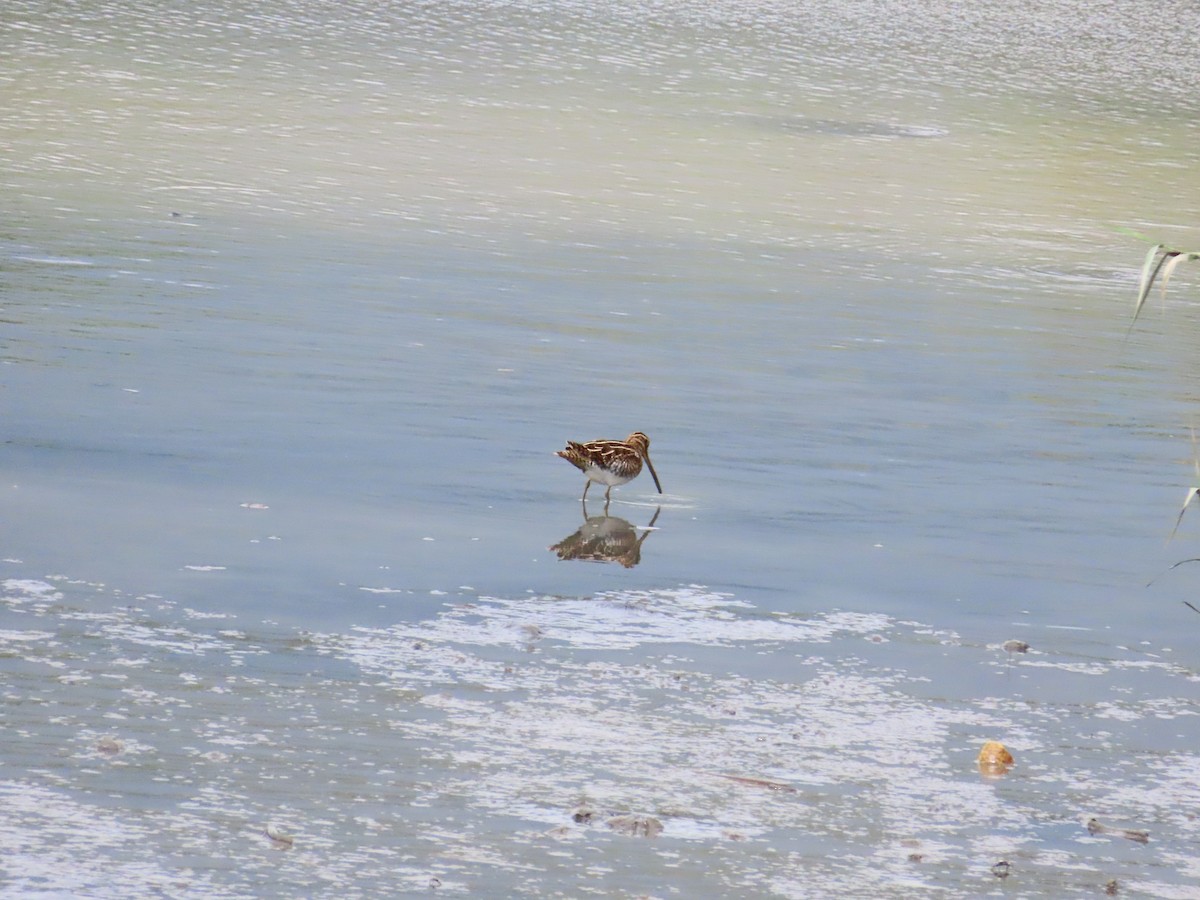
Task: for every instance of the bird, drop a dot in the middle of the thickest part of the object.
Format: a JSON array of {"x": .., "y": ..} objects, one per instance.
[
  {"x": 605, "y": 539},
  {"x": 610, "y": 462}
]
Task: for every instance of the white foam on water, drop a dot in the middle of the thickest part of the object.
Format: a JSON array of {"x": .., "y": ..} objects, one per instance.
[{"x": 484, "y": 728}]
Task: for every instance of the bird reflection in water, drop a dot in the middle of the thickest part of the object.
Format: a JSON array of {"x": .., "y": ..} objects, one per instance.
[{"x": 605, "y": 539}]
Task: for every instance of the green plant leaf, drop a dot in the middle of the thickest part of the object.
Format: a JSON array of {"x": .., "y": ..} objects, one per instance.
[
  {"x": 1149, "y": 270},
  {"x": 1192, "y": 492},
  {"x": 1136, "y": 235},
  {"x": 1166, "y": 275},
  {"x": 1169, "y": 568}
]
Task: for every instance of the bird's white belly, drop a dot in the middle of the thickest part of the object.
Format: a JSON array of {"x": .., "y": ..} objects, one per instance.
[{"x": 604, "y": 476}]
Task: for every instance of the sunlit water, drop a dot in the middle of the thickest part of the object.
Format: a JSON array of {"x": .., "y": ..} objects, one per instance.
[{"x": 299, "y": 299}]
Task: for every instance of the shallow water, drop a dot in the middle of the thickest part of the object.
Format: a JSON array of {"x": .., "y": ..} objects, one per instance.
[{"x": 298, "y": 303}]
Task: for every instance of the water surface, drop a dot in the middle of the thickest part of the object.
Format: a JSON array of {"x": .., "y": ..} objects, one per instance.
[{"x": 298, "y": 301}]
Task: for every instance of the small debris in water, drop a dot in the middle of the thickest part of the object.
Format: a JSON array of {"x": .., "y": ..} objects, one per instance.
[
  {"x": 1015, "y": 647},
  {"x": 1002, "y": 869},
  {"x": 1095, "y": 826},
  {"x": 279, "y": 838},
  {"x": 636, "y": 826},
  {"x": 109, "y": 745},
  {"x": 583, "y": 815},
  {"x": 762, "y": 782},
  {"x": 994, "y": 759},
  {"x": 1112, "y": 887},
  {"x": 255, "y": 506}
]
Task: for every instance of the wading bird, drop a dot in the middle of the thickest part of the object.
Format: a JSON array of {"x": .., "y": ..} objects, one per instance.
[{"x": 611, "y": 462}]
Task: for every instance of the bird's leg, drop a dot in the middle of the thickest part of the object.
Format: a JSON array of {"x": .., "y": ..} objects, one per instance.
[{"x": 586, "y": 484}]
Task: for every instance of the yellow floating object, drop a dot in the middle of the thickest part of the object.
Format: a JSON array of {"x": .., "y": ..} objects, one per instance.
[{"x": 994, "y": 759}]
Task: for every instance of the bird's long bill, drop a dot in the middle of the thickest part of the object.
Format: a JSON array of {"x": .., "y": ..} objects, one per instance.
[{"x": 653, "y": 474}]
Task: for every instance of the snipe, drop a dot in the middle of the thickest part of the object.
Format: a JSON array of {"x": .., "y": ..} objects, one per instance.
[{"x": 611, "y": 463}]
